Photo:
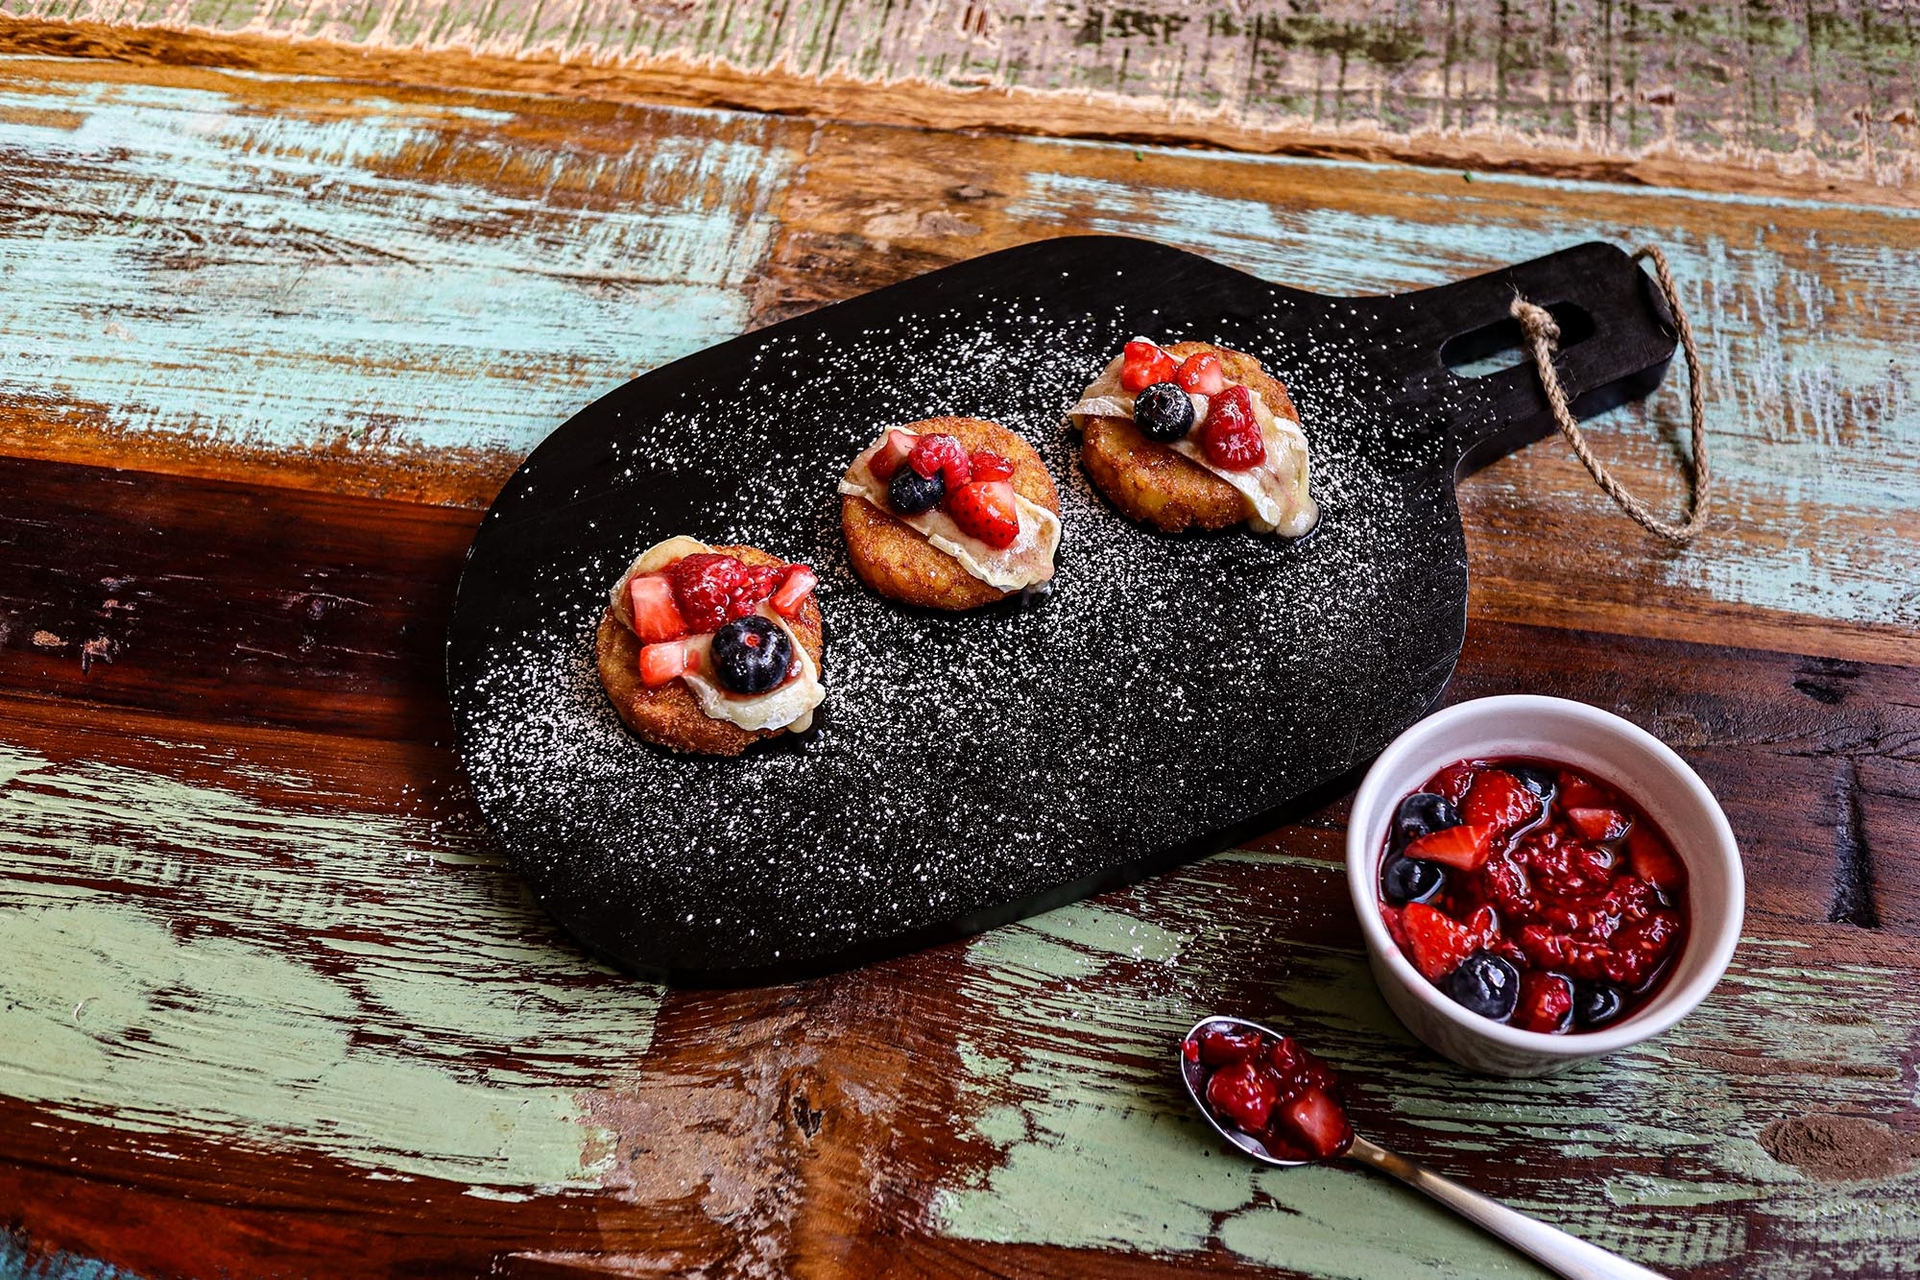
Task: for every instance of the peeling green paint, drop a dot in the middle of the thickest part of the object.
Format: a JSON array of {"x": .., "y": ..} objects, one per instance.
[
  {"x": 337, "y": 988},
  {"x": 1096, "y": 1146}
]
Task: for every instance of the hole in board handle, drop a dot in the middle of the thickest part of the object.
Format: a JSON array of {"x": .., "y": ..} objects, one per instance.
[{"x": 1496, "y": 348}]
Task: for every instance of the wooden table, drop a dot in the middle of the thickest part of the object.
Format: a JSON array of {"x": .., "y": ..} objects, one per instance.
[{"x": 291, "y": 288}]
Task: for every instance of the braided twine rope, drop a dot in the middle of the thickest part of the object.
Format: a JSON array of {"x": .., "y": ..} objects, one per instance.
[{"x": 1542, "y": 338}]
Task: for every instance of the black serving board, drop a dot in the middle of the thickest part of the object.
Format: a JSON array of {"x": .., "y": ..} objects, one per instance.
[{"x": 1175, "y": 693}]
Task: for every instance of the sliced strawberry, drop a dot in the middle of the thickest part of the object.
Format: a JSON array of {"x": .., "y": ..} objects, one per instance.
[
  {"x": 1144, "y": 364},
  {"x": 943, "y": 454},
  {"x": 1465, "y": 847},
  {"x": 795, "y": 587},
  {"x": 1244, "y": 1093},
  {"x": 892, "y": 452},
  {"x": 1546, "y": 1002},
  {"x": 1653, "y": 861},
  {"x": 1598, "y": 824},
  {"x": 655, "y": 615},
  {"x": 991, "y": 466},
  {"x": 1438, "y": 943},
  {"x": 1578, "y": 793},
  {"x": 1201, "y": 374},
  {"x": 1498, "y": 802},
  {"x": 1230, "y": 437},
  {"x": 1453, "y": 782},
  {"x": 985, "y": 510},
  {"x": 1220, "y": 1047},
  {"x": 1395, "y": 921},
  {"x": 663, "y": 663},
  {"x": 1319, "y": 1122}
]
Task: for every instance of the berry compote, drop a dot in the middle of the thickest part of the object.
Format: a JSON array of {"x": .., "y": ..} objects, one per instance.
[
  {"x": 1270, "y": 1088},
  {"x": 1533, "y": 894}
]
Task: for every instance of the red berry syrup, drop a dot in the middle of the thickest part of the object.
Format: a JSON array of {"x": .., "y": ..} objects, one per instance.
[
  {"x": 1534, "y": 894},
  {"x": 1272, "y": 1089}
]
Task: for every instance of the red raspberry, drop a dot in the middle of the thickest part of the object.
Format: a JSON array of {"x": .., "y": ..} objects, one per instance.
[
  {"x": 712, "y": 589},
  {"x": 1546, "y": 1002},
  {"x": 1230, "y": 437},
  {"x": 945, "y": 455}
]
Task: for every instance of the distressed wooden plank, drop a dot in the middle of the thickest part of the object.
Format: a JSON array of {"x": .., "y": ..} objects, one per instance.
[
  {"x": 931, "y": 1113},
  {"x": 1776, "y": 87},
  {"x": 205, "y": 597},
  {"x": 274, "y": 1004},
  {"x": 403, "y": 285},
  {"x": 1815, "y": 426},
  {"x": 1818, "y": 430}
]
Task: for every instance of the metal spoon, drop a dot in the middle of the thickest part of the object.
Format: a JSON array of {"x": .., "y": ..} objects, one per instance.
[{"x": 1555, "y": 1249}]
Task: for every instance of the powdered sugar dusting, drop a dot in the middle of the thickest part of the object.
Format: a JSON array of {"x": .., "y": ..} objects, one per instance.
[{"x": 963, "y": 767}]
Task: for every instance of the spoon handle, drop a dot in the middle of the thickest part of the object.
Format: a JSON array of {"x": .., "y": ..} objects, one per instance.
[{"x": 1559, "y": 1252}]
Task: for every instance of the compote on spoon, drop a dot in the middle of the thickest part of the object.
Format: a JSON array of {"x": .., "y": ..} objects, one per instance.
[{"x": 1279, "y": 1104}]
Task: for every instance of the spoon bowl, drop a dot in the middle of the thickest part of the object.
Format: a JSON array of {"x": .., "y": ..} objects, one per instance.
[{"x": 1553, "y": 1248}]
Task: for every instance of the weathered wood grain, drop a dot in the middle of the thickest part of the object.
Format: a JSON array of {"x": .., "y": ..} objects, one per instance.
[
  {"x": 191, "y": 596},
  {"x": 1000, "y": 1105},
  {"x": 1661, "y": 87},
  {"x": 1817, "y": 427},
  {"x": 1800, "y": 309},
  {"x": 400, "y": 285}
]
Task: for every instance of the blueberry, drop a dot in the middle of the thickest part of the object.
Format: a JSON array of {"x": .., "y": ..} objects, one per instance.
[
  {"x": 1595, "y": 1004},
  {"x": 1405, "y": 880},
  {"x": 1486, "y": 984},
  {"x": 1421, "y": 813},
  {"x": 751, "y": 654},
  {"x": 1542, "y": 782},
  {"x": 1163, "y": 412},
  {"x": 910, "y": 493}
]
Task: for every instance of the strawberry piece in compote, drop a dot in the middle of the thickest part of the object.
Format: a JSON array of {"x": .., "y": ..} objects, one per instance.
[
  {"x": 1533, "y": 894},
  {"x": 1270, "y": 1088}
]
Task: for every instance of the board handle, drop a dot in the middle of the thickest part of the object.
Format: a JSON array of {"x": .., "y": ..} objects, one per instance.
[{"x": 1617, "y": 337}]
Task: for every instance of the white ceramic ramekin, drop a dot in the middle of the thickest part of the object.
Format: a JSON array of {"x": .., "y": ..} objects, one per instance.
[{"x": 1613, "y": 751}]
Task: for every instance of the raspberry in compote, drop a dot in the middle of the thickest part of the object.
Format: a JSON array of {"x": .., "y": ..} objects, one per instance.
[
  {"x": 1270, "y": 1088},
  {"x": 1533, "y": 894}
]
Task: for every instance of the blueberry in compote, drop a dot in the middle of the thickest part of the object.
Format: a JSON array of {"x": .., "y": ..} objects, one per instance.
[
  {"x": 1163, "y": 412},
  {"x": 1486, "y": 984},
  {"x": 1595, "y": 1004},
  {"x": 1542, "y": 782},
  {"x": 751, "y": 655},
  {"x": 1422, "y": 813},
  {"x": 1405, "y": 880},
  {"x": 911, "y": 493}
]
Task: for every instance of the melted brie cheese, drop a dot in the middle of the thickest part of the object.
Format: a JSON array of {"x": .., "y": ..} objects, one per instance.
[
  {"x": 1028, "y": 561},
  {"x": 788, "y": 705},
  {"x": 1277, "y": 490}
]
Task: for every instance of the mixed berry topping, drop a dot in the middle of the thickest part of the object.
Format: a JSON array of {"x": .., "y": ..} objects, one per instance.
[
  {"x": 711, "y": 592},
  {"x": 1231, "y": 435},
  {"x": 712, "y": 589},
  {"x": 974, "y": 489},
  {"x": 1224, "y": 424},
  {"x": 751, "y": 655},
  {"x": 911, "y": 493},
  {"x": 1143, "y": 363},
  {"x": 1271, "y": 1089},
  {"x": 1163, "y": 412},
  {"x": 1532, "y": 894}
]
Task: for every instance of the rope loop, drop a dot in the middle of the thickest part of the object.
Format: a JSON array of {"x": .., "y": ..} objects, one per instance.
[{"x": 1543, "y": 337}]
